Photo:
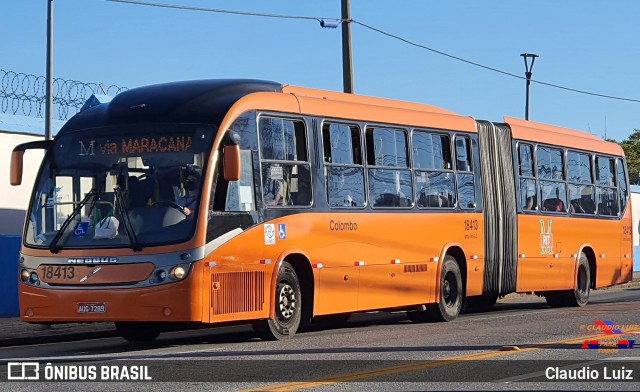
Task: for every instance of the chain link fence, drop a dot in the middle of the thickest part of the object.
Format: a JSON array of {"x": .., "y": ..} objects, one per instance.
[{"x": 25, "y": 94}]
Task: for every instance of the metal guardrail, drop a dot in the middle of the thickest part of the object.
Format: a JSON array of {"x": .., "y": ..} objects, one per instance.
[{"x": 24, "y": 94}]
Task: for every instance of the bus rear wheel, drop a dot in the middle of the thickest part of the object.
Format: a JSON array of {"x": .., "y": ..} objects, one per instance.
[
  {"x": 138, "y": 331},
  {"x": 579, "y": 295},
  {"x": 451, "y": 295},
  {"x": 288, "y": 307}
]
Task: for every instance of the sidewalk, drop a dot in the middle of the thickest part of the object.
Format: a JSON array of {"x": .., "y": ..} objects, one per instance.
[{"x": 15, "y": 332}]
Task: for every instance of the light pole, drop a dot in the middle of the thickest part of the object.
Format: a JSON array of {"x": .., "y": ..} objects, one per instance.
[
  {"x": 48, "y": 109},
  {"x": 528, "y": 72},
  {"x": 347, "y": 67}
]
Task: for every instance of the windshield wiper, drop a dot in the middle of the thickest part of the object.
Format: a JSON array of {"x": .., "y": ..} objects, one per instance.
[
  {"x": 128, "y": 227},
  {"x": 53, "y": 247}
]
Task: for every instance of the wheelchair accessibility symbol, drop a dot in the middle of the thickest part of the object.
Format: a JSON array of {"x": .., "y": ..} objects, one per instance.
[
  {"x": 81, "y": 229},
  {"x": 282, "y": 231}
]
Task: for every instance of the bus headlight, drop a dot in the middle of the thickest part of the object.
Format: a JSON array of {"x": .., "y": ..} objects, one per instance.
[
  {"x": 178, "y": 272},
  {"x": 24, "y": 275}
]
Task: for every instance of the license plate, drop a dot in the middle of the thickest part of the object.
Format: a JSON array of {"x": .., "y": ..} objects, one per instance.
[{"x": 92, "y": 307}]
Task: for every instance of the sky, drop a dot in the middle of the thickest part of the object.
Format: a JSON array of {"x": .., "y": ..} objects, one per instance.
[{"x": 583, "y": 44}]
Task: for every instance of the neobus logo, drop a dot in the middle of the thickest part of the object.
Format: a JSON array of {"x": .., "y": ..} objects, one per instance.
[
  {"x": 92, "y": 260},
  {"x": 546, "y": 239}
]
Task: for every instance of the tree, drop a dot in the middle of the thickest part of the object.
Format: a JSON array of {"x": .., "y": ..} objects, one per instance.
[{"x": 631, "y": 147}]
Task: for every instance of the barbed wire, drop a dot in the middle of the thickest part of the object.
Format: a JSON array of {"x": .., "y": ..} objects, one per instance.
[{"x": 25, "y": 94}]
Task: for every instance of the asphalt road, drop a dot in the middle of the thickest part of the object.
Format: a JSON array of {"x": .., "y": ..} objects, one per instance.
[{"x": 516, "y": 346}]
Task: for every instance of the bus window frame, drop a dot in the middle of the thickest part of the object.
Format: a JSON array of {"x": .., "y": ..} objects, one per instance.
[
  {"x": 516, "y": 156},
  {"x": 328, "y": 165},
  {"x": 261, "y": 160},
  {"x": 453, "y": 171},
  {"x": 622, "y": 161},
  {"x": 563, "y": 180},
  {"x": 408, "y": 167},
  {"x": 615, "y": 183},
  {"x": 592, "y": 183},
  {"x": 454, "y": 159}
]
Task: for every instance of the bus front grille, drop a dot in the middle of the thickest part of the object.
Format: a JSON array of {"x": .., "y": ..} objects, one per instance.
[{"x": 237, "y": 292}]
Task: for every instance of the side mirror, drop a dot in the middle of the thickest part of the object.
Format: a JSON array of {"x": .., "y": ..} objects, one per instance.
[
  {"x": 16, "y": 167},
  {"x": 231, "y": 162},
  {"x": 17, "y": 155}
]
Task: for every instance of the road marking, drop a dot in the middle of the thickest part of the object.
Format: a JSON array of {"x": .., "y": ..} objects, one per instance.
[{"x": 412, "y": 367}]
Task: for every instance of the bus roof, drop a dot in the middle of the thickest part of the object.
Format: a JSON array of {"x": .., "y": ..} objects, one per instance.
[
  {"x": 197, "y": 101},
  {"x": 563, "y": 137},
  {"x": 363, "y": 99}
]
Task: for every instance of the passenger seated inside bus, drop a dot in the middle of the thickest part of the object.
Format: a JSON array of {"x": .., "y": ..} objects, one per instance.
[
  {"x": 274, "y": 186},
  {"x": 554, "y": 204},
  {"x": 584, "y": 204},
  {"x": 531, "y": 203}
]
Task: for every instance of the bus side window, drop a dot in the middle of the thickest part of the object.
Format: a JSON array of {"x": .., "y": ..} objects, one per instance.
[
  {"x": 464, "y": 174},
  {"x": 286, "y": 174},
  {"x": 606, "y": 190},
  {"x": 622, "y": 185},
  {"x": 580, "y": 182},
  {"x": 553, "y": 188},
  {"x": 528, "y": 182},
  {"x": 343, "y": 165},
  {"x": 434, "y": 175},
  {"x": 389, "y": 175}
]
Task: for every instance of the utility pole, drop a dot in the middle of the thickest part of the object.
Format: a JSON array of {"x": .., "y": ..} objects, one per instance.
[
  {"x": 347, "y": 67},
  {"x": 528, "y": 73},
  {"x": 48, "y": 111}
]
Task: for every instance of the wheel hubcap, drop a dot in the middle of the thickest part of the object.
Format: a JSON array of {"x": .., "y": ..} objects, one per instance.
[
  {"x": 450, "y": 289},
  {"x": 287, "y": 301}
]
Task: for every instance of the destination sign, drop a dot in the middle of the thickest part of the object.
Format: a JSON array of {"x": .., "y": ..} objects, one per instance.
[{"x": 135, "y": 145}]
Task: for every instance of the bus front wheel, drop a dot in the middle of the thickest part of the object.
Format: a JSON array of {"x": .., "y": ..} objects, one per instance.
[
  {"x": 138, "y": 332},
  {"x": 451, "y": 295},
  {"x": 288, "y": 307}
]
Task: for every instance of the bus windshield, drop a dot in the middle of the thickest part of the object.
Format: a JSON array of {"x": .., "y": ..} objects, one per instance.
[{"x": 124, "y": 186}]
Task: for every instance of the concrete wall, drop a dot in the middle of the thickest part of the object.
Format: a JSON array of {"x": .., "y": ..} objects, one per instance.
[
  {"x": 635, "y": 214},
  {"x": 13, "y": 205}
]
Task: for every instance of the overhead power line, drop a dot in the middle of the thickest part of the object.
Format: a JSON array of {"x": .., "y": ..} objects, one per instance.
[
  {"x": 188, "y": 8},
  {"x": 377, "y": 30}
]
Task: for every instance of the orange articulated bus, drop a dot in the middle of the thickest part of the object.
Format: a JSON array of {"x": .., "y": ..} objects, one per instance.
[{"x": 243, "y": 200}]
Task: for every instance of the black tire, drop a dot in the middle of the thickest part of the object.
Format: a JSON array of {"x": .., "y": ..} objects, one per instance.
[
  {"x": 555, "y": 300},
  {"x": 481, "y": 303},
  {"x": 288, "y": 307},
  {"x": 138, "y": 332},
  {"x": 451, "y": 295},
  {"x": 579, "y": 295}
]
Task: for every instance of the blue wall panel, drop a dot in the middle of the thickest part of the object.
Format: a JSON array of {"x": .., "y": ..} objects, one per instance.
[{"x": 9, "y": 252}]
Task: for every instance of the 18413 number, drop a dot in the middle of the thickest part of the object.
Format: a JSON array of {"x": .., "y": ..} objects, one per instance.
[
  {"x": 49, "y": 272},
  {"x": 470, "y": 224}
]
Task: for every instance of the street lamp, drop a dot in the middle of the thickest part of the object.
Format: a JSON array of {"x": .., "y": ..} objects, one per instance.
[{"x": 528, "y": 68}]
